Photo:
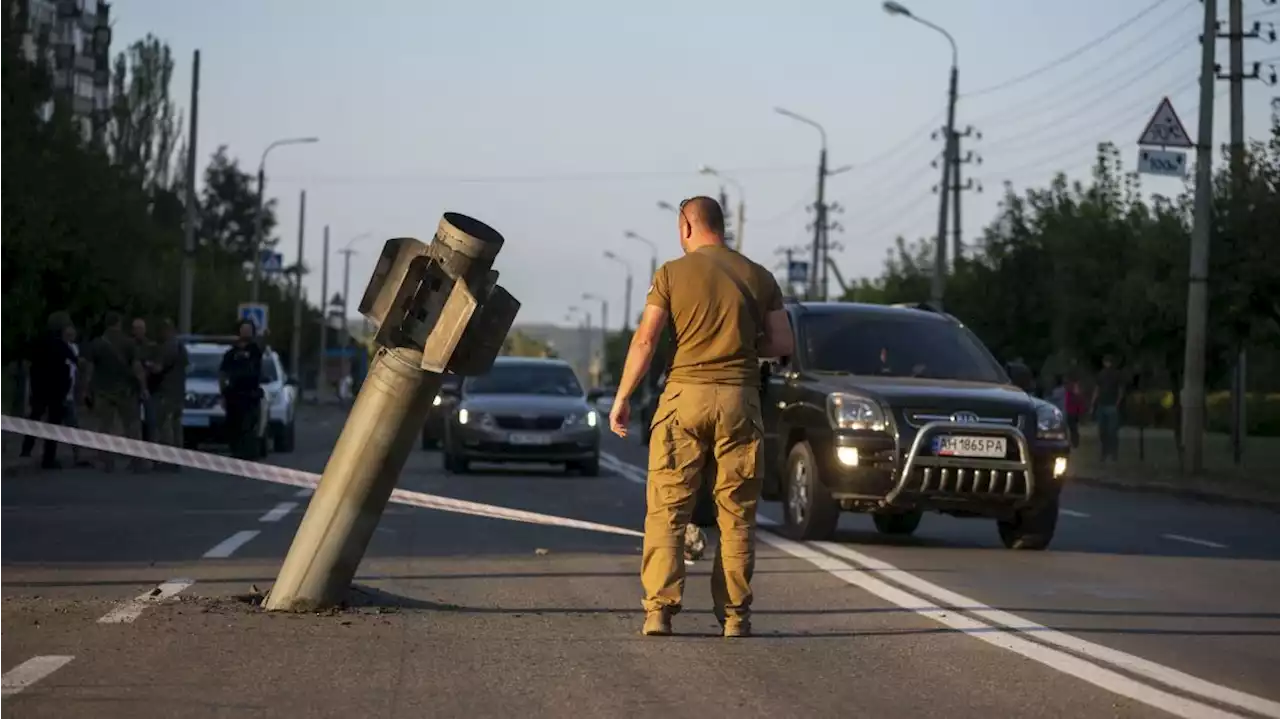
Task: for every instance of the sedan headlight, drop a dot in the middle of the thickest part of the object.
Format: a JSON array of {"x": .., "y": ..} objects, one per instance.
[
  {"x": 850, "y": 411},
  {"x": 1050, "y": 423},
  {"x": 590, "y": 418},
  {"x": 476, "y": 419}
]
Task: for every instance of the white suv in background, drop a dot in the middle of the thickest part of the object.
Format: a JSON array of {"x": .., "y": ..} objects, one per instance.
[{"x": 203, "y": 417}]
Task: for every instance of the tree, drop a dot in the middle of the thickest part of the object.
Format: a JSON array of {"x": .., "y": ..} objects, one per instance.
[{"x": 145, "y": 126}]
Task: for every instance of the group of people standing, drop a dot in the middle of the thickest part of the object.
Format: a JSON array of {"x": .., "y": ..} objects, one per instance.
[
  {"x": 129, "y": 384},
  {"x": 1068, "y": 394}
]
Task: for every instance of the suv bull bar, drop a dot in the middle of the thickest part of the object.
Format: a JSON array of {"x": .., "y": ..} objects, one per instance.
[{"x": 992, "y": 470}]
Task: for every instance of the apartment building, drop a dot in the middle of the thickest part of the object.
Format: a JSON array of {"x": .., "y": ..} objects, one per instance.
[{"x": 75, "y": 36}]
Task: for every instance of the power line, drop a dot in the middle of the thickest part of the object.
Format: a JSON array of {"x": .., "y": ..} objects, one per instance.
[
  {"x": 1070, "y": 55},
  {"x": 1058, "y": 125},
  {"x": 590, "y": 176},
  {"x": 1106, "y": 69},
  {"x": 1121, "y": 123}
]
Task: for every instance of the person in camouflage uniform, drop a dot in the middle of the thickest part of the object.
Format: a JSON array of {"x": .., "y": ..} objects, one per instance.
[{"x": 117, "y": 381}]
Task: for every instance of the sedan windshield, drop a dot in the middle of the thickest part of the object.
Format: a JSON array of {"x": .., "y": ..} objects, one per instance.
[
  {"x": 526, "y": 379},
  {"x": 896, "y": 347}
]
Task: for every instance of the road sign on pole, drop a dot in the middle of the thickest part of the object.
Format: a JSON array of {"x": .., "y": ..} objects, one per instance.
[
  {"x": 1169, "y": 163},
  {"x": 797, "y": 272},
  {"x": 255, "y": 312},
  {"x": 1165, "y": 129},
  {"x": 272, "y": 261}
]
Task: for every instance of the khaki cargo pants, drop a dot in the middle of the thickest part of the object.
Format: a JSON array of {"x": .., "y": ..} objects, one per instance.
[
  {"x": 117, "y": 413},
  {"x": 693, "y": 423}
]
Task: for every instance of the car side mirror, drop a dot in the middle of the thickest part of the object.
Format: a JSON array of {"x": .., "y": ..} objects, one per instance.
[{"x": 594, "y": 395}]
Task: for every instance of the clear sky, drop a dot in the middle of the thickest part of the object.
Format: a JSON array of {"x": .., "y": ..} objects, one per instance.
[{"x": 562, "y": 123}]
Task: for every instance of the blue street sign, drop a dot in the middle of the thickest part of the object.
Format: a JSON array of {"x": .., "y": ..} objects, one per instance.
[
  {"x": 798, "y": 272},
  {"x": 272, "y": 261},
  {"x": 255, "y": 313}
]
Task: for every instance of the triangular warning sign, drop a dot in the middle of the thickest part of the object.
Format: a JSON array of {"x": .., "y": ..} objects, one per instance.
[{"x": 1165, "y": 129}]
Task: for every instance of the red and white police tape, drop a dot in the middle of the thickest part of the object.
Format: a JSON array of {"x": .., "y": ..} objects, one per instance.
[{"x": 281, "y": 475}]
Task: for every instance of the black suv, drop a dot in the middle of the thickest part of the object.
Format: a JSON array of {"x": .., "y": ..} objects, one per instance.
[{"x": 897, "y": 410}]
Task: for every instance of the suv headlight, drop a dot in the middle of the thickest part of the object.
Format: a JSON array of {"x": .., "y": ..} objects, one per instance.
[
  {"x": 590, "y": 418},
  {"x": 850, "y": 411},
  {"x": 1049, "y": 421}
]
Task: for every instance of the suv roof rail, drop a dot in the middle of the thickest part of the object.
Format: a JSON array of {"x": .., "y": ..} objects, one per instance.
[
  {"x": 216, "y": 339},
  {"x": 926, "y": 307}
]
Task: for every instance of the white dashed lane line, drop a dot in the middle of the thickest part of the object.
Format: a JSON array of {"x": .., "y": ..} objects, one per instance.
[
  {"x": 305, "y": 492},
  {"x": 1073, "y": 513},
  {"x": 278, "y": 512},
  {"x": 128, "y": 611},
  {"x": 1192, "y": 540},
  {"x": 32, "y": 671},
  {"x": 228, "y": 546}
]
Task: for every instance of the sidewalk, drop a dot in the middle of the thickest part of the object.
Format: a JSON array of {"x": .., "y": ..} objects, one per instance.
[{"x": 1255, "y": 481}]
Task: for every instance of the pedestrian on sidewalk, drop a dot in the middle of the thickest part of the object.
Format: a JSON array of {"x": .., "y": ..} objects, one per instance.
[
  {"x": 51, "y": 381},
  {"x": 726, "y": 312},
  {"x": 75, "y": 397},
  {"x": 1074, "y": 409},
  {"x": 1108, "y": 393},
  {"x": 146, "y": 353}
]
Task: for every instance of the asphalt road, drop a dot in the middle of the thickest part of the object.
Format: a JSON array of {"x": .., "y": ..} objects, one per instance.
[{"x": 1144, "y": 607}]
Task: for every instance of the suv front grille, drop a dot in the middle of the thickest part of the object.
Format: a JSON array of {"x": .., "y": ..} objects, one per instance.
[
  {"x": 544, "y": 422},
  {"x": 920, "y": 417}
]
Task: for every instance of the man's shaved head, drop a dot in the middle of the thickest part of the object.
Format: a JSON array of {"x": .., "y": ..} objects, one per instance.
[{"x": 704, "y": 215}]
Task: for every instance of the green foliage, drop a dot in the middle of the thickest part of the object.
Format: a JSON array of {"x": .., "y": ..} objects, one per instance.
[
  {"x": 97, "y": 224},
  {"x": 520, "y": 344},
  {"x": 1075, "y": 270}
]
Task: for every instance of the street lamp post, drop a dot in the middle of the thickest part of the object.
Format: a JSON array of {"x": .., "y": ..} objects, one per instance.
[
  {"x": 742, "y": 201},
  {"x": 949, "y": 152},
  {"x": 604, "y": 328},
  {"x": 257, "y": 218},
  {"x": 626, "y": 298},
  {"x": 653, "y": 250}
]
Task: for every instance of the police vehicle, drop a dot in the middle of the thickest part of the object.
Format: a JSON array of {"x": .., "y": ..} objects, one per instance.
[{"x": 203, "y": 416}]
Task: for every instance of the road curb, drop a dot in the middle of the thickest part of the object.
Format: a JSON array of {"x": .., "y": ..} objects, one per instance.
[{"x": 1200, "y": 494}]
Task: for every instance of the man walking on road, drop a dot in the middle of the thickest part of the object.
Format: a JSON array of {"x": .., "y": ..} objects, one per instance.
[
  {"x": 240, "y": 379},
  {"x": 1108, "y": 392},
  {"x": 726, "y": 312}
]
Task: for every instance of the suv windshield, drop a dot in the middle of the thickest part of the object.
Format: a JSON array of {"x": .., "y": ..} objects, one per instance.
[
  {"x": 901, "y": 346},
  {"x": 526, "y": 379}
]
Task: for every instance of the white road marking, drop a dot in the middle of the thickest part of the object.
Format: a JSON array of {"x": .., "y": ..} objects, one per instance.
[
  {"x": 1193, "y": 540},
  {"x": 278, "y": 512},
  {"x": 305, "y": 492},
  {"x": 1095, "y": 674},
  {"x": 1002, "y": 625},
  {"x": 1156, "y": 672},
  {"x": 31, "y": 671},
  {"x": 1074, "y": 513},
  {"x": 128, "y": 611},
  {"x": 228, "y": 546}
]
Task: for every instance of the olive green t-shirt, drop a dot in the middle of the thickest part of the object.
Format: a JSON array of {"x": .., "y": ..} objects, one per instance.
[
  {"x": 113, "y": 358},
  {"x": 715, "y": 334}
]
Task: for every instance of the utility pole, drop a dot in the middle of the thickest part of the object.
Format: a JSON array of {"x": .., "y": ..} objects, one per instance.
[
  {"x": 295, "y": 350},
  {"x": 957, "y": 187},
  {"x": 257, "y": 231},
  {"x": 346, "y": 253},
  {"x": 1197, "y": 277},
  {"x": 938, "y": 286},
  {"x": 324, "y": 317},
  {"x": 186, "y": 299},
  {"x": 742, "y": 220},
  {"x": 820, "y": 221},
  {"x": 1237, "y": 210},
  {"x": 729, "y": 231}
]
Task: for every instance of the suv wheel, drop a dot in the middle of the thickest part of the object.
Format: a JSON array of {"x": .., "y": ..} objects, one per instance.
[
  {"x": 1031, "y": 528},
  {"x": 809, "y": 510},
  {"x": 899, "y": 523}
]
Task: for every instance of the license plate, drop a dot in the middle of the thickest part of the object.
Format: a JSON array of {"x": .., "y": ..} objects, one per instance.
[
  {"x": 529, "y": 439},
  {"x": 195, "y": 421},
  {"x": 991, "y": 447}
]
